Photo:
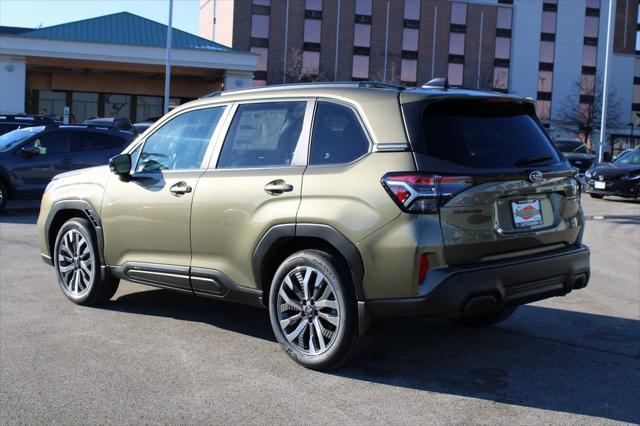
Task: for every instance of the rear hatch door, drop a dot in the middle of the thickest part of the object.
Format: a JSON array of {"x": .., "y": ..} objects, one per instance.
[{"x": 521, "y": 198}]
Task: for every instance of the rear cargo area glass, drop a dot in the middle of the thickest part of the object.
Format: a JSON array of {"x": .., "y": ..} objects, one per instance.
[{"x": 480, "y": 134}]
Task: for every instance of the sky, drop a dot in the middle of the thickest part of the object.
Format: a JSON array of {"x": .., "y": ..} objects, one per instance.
[{"x": 33, "y": 13}]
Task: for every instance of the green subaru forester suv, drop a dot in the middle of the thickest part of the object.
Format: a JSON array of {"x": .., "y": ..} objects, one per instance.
[{"x": 334, "y": 206}]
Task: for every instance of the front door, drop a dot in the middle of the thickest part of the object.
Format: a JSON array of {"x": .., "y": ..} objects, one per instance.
[
  {"x": 146, "y": 218},
  {"x": 53, "y": 155},
  {"x": 253, "y": 184}
]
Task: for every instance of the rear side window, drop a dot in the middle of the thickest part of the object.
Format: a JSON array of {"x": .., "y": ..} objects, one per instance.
[
  {"x": 93, "y": 141},
  {"x": 263, "y": 135},
  {"x": 478, "y": 134},
  {"x": 180, "y": 144},
  {"x": 338, "y": 136}
]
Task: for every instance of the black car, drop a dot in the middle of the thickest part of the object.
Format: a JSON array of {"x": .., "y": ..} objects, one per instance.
[
  {"x": 576, "y": 153},
  {"x": 20, "y": 121},
  {"x": 31, "y": 157},
  {"x": 121, "y": 123},
  {"x": 621, "y": 177}
]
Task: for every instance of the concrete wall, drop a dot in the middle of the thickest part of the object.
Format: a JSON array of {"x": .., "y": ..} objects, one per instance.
[
  {"x": 567, "y": 67},
  {"x": 13, "y": 72},
  {"x": 525, "y": 47}
]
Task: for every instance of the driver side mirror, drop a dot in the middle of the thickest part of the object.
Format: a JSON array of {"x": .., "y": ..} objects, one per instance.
[
  {"x": 120, "y": 165},
  {"x": 29, "y": 151}
]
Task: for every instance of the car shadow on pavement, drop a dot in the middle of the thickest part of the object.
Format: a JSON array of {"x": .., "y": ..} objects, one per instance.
[
  {"x": 247, "y": 320},
  {"x": 544, "y": 358}
]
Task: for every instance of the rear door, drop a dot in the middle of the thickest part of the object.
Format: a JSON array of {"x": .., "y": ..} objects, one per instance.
[
  {"x": 94, "y": 148},
  {"x": 519, "y": 196},
  {"x": 253, "y": 183}
]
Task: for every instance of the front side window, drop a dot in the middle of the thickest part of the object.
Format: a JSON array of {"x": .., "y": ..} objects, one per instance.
[
  {"x": 180, "y": 143},
  {"x": 263, "y": 135},
  {"x": 338, "y": 137},
  {"x": 52, "y": 143}
]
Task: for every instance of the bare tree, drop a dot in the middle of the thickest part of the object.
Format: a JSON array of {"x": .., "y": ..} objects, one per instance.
[
  {"x": 296, "y": 71},
  {"x": 393, "y": 76},
  {"x": 585, "y": 117}
]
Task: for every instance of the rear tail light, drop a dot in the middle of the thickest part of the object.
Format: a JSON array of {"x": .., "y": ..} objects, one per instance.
[{"x": 423, "y": 193}]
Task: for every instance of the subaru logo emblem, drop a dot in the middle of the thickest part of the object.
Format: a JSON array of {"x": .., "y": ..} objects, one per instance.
[{"x": 535, "y": 176}]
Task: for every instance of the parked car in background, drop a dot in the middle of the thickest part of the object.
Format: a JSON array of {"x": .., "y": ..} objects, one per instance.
[
  {"x": 121, "y": 123},
  {"x": 576, "y": 152},
  {"x": 20, "y": 121},
  {"x": 31, "y": 157},
  {"x": 141, "y": 127},
  {"x": 620, "y": 177}
]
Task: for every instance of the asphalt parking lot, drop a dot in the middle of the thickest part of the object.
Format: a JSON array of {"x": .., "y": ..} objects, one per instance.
[{"x": 153, "y": 356}]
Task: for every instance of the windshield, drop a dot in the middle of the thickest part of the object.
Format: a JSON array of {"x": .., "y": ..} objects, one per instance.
[
  {"x": 13, "y": 138},
  {"x": 478, "y": 134},
  {"x": 572, "y": 147},
  {"x": 629, "y": 157}
]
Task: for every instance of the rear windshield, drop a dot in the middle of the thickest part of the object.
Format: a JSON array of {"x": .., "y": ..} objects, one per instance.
[{"x": 478, "y": 134}]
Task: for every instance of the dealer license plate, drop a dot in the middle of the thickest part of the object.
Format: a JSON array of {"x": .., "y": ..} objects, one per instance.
[
  {"x": 526, "y": 213},
  {"x": 600, "y": 185}
]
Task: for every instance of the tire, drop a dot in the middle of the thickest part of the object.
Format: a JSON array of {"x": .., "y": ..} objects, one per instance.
[
  {"x": 598, "y": 196},
  {"x": 77, "y": 263},
  {"x": 487, "y": 320},
  {"x": 4, "y": 196},
  {"x": 318, "y": 329}
]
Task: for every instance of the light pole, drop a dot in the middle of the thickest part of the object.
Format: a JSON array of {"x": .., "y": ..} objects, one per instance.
[
  {"x": 167, "y": 72},
  {"x": 603, "y": 121}
]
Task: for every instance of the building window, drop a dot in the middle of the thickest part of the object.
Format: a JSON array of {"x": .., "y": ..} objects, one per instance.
[
  {"x": 360, "y": 67},
  {"x": 362, "y": 35},
  {"x": 593, "y": 4},
  {"x": 548, "y": 22},
  {"x": 311, "y": 63},
  {"x": 504, "y": 18},
  {"x": 312, "y": 28},
  {"x": 363, "y": 7},
  {"x": 262, "y": 2},
  {"x": 503, "y": 47},
  {"x": 262, "y": 59},
  {"x": 545, "y": 80},
  {"x": 412, "y": 9},
  {"x": 408, "y": 71},
  {"x": 589, "y": 54},
  {"x": 459, "y": 13},
  {"x": 260, "y": 26},
  {"x": 591, "y": 26},
  {"x": 85, "y": 105},
  {"x": 501, "y": 78},
  {"x": 454, "y": 74},
  {"x": 313, "y": 5},
  {"x": 543, "y": 109},
  {"x": 456, "y": 43},
  {"x": 547, "y": 49},
  {"x": 410, "y": 39}
]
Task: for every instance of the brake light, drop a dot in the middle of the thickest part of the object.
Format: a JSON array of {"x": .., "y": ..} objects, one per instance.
[{"x": 423, "y": 193}]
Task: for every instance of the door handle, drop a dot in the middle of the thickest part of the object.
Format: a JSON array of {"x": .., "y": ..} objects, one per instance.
[
  {"x": 277, "y": 187},
  {"x": 180, "y": 188}
]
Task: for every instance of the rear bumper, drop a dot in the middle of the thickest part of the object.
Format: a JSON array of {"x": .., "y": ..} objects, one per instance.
[{"x": 457, "y": 292}]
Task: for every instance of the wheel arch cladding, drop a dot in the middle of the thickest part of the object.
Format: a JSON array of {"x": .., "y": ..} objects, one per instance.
[
  {"x": 280, "y": 241},
  {"x": 62, "y": 211}
]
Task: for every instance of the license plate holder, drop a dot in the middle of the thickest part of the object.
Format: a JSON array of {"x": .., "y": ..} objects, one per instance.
[
  {"x": 526, "y": 213},
  {"x": 599, "y": 185}
]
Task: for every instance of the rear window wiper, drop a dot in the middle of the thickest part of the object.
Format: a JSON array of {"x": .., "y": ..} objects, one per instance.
[{"x": 527, "y": 161}]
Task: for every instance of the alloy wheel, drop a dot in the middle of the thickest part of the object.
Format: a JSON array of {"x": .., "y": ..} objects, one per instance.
[
  {"x": 75, "y": 263},
  {"x": 308, "y": 311}
]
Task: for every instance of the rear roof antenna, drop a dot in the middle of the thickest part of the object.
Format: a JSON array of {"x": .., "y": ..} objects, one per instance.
[{"x": 438, "y": 82}]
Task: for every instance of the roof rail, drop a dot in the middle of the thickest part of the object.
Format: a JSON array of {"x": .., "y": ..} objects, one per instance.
[{"x": 379, "y": 85}]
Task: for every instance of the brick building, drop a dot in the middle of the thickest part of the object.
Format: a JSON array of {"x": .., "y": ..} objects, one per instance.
[{"x": 536, "y": 48}]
